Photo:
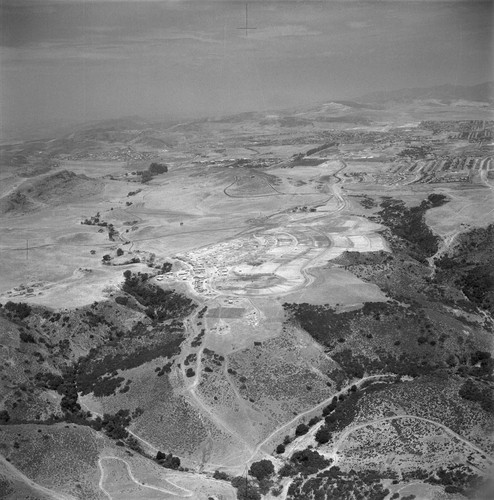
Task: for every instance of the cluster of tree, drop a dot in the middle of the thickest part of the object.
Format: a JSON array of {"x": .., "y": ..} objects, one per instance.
[
  {"x": 327, "y": 326},
  {"x": 478, "y": 285},
  {"x": 338, "y": 414},
  {"x": 122, "y": 300},
  {"x": 415, "y": 152},
  {"x": 301, "y": 429},
  {"x": 196, "y": 342},
  {"x": 94, "y": 320},
  {"x": 17, "y": 310},
  {"x": 166, "y": 267},
  {"x": 321, "y": 322},
  {"x": 112, "y": 234},
  {"x": 246, "y": 489},
  {"x": 153, "y": 169},
  {"x": 27, "y": 337},
  {"x": 133, "y": 193},
  {"x": 409, "y": 225},
  {"x": 202, "y": 312},
  {"x": 221, "y": 476},
  {"x": 159, "y": 304},
  {"x": 166, "y": 368},
  {"x": 456, "y": 479},
  {"x": 469, "y": 266},
  {"x": 98, "y": 375},
  {"x": 305, "y": 462},
  {"x": 115, "y": 425},
  {"x": 191, "y": 358},
  {"x": 158, "y": 168},
  {"x": 49, "y": 380},
  {"x": 167, "y": 460},
  {"x": 262, "y": 469},
  {"x": 434, "y": 200},
  {"x": 481, "y": 393},
  {"x": 470, "y": 248},
  {"x": 368, "y": 202},
  {"x": 482, "y": 364},
  {"x": 65, "y": 385},
  {"x": 95, "y": 220},
  {"x": 313, "y": 151},
  {"x": 357, "y": 365},
  {"x": 334, "y": 483}
]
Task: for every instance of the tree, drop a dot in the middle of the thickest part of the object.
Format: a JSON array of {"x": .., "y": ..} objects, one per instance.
[
  {"x": 220, "y": 475},
  {"x": 120, "y": 252},
  {"x": 157, "y": 168},
  {"x": 323, "y": 435},
  {"x": 27, "y": 337},
  {"x": 301, "y": 430},
  {"x": 262, "y": 469},
  {"x": 280, "y": 449},
  {"x": 146, "y": 176},
  {"x": 313, "y": 421},
  {"x": 166, "y": 268},
  {"x": 4, "y": 417},
  {"x": 20, "y": 309},
  {"x": 246, "y": 490},
  {"x": 328, "y": 409},
  {"x": 122, "y": 300},
  {"x": 168, "y": 460},
  {"x": 115, "y": 425}
]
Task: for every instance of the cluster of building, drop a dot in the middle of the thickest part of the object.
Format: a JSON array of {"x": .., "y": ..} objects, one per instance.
[{"x": 119, "y": 154}]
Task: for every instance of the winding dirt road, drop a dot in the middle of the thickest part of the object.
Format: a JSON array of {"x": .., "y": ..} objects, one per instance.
[
  {"x": 344, "y": 435},
  {"x": 186, "y": 492}
]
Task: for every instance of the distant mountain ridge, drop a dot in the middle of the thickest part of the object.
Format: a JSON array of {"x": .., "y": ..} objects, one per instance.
[
  {"x": 483, "y": 92},
  {"x": 161, "y": 134}
]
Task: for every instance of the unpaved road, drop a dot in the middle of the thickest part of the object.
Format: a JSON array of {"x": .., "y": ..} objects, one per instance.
[
  {"x": 344, "y": 435},
  {"x": 319, "y": 406},
  {"x": 186, "y": 493}
]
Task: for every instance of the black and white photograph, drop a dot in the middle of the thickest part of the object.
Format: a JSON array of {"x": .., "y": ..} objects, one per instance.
[{"x": 246, "y": 250}]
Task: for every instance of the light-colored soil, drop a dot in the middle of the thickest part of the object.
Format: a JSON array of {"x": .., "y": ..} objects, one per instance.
[{"x": 242, "y": 241}]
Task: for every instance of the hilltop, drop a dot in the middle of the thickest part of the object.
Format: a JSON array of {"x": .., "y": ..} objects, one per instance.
[{"x": 50, "y": 190}]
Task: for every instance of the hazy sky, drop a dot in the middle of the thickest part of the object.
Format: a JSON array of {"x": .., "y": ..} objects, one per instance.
[{"x": 84, "y": 60}]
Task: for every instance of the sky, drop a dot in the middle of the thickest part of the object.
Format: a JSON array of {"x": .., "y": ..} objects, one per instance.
[{"x": 70, "y": 61}]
